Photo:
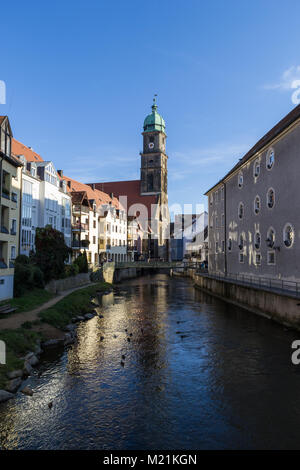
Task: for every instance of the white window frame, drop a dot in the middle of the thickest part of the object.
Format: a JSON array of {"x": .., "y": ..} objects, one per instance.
[
  {"x": 269, "y": 152},
  {"x": 256, "y": 164},
  {"x": 272, "y": 207},
  {"x": 284, "y": 233},
  {"x": 254, "y": 205},
  {"x": 240, "y": 179}
]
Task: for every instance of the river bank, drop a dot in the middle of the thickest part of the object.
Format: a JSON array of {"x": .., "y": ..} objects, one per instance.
[{"x": 27, "y": 334}]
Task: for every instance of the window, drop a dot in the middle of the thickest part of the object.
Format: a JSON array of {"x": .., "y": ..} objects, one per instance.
[
  {"x": 241, "y": 257},
  {"x": 271, "y": 237},
  {"x": 257, "y": 240},
  {"x": 229, "y": 244},
  {"x": 256, "y": 168},
  {"x": 241, "y": 210},
  {"x": 211, "y": 198},
  {"x": 257, "y": 259},
  {"x": 257, "y": 204},
  {"x": 271, "y": 257},
  {"x": 240, "y": 179},
  {"x": 288, "y": 235},
  {"x": 217, "y": 247},
  {"x": 241, "y": 243},
  {"x": 12, "y": 252},
  {"x": 270, "y": 198},
  {"x": 270, "y": 158}
]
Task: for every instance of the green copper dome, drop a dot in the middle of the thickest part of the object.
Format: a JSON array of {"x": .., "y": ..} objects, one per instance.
[{"x": 154, "y": 121}]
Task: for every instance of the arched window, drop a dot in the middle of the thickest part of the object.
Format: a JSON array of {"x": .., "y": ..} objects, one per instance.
[
  {"x": 241, "y": 210},
  {"x": 257, "y": 240},
  {"x": 271, "y": 237},
  {"x": 288, "y": 235},
  {"x": 270, "y": 198},
  {"x": 257, "y": 204},
  {"x": 256, "y": 168},
  {"x": 240, "y": 179},
  {"x": 270, "y": 159}
]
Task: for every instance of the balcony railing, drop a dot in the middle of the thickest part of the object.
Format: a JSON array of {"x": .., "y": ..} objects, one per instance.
[
  {"x": 4, "y": 229},
  {"x": 80, "y": 227},
  {"x": 3, "y": 265},
  {"x": 78, "y": 208},
  {"x": 80, "y": 243},
  {"x": 5, "y": 193}
]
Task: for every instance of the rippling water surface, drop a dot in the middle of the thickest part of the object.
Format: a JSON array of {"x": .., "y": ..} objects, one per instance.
[{"x": 198, "y": 374}]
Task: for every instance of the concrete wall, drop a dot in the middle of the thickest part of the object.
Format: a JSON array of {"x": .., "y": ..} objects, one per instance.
[
  {"x": 125, "y": 273},
  {"x": 283, "y": 309},
  {"x": 59, "y": 285}
]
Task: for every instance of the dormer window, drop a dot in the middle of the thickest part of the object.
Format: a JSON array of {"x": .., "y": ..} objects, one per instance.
[{"x": 33, "y": 171}]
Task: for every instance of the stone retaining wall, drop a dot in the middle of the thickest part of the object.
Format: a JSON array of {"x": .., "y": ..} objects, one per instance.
[{"x": 59, "y": 285}]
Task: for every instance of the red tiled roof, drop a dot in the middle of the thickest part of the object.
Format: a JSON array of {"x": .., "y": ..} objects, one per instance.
[
  {"x": 131, "y": 189},
  {"x": 18, "y": 148},
  {"x": 100, "y": 197}
]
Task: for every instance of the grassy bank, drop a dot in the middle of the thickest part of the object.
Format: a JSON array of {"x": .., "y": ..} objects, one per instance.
[
  {"x": 18, "y": 342},
  {"x": 22, "y": 340},
  {"x": 28, "y": 301},
  {"x": 76, "y": 303}
]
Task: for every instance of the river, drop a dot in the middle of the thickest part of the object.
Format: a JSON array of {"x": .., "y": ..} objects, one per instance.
[{"x": 198, "y": 374}]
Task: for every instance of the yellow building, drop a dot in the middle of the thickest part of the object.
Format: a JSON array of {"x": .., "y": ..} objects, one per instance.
[{"x": 10, "y": 202}]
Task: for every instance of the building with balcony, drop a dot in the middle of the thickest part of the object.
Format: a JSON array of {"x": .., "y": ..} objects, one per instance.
[
  {"x": 10, "y": 191},
  {"x": 99, "y": 224},
  {"x": 45, "y": 199}
]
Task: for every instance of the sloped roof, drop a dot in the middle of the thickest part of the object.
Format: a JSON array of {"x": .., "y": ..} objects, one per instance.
[
  {"x": 98, "y": 196},
  {"x": 267, "y": 138},
  {"x": 131, "y": 189},
  {"x": 18, "y": 148}
]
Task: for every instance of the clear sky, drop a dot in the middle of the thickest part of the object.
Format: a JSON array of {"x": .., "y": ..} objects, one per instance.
[{"x": 80, "y": 77}]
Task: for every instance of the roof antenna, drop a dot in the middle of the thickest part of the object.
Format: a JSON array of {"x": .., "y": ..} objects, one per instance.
[{"x": 154, "y": 106}]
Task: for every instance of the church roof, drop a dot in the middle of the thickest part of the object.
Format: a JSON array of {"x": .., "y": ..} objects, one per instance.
[
  {"x": 154, "y": 121},
  {"x": 131, "y": 189}
]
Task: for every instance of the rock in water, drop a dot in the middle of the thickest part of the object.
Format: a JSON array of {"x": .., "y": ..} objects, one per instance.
[
  {"x": 27, "y": 391},
  {"x": 14, "y": 374},
  {"x": 13, "y": 385},
  {"x": 4, "y": 395}
]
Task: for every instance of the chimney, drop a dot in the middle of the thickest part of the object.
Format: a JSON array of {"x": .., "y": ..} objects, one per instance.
[
  {"x": 93, "y": 186},
  {"x": 61, "y": 173}
]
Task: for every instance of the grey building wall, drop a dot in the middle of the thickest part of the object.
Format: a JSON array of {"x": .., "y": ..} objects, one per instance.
[
  {"x": 216, "y": 230},
  {"x": 280, "y": 261}
]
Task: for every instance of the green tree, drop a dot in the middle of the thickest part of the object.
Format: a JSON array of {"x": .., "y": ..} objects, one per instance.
[
  {"x": 51, "y": 252},
  {"x": 82, "y": 262}
]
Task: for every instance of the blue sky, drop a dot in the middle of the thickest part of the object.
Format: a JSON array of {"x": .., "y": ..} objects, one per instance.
[{"x": 80, "y": 78}]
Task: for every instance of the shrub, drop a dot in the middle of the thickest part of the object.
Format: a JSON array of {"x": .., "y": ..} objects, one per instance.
[
  {"x": 51, "y": 252},
  {"x": 82, "y": 263},
  {"x": 22, "y": 259},
  {"x": 71, "y": 270},
  {"x": 27, "y": 276}
]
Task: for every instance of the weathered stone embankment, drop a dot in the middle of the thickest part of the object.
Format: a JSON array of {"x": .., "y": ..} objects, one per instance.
[{"x": 32, "y": 358}]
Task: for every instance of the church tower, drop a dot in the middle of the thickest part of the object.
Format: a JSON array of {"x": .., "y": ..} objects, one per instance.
[{"x": 154, "y": 175}]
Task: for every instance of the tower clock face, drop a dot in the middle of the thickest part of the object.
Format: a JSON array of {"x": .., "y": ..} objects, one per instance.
[{"x": 151, "y": 145}]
